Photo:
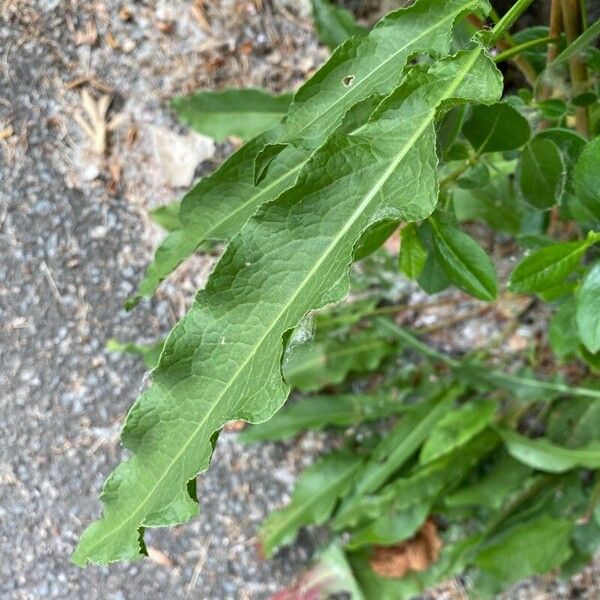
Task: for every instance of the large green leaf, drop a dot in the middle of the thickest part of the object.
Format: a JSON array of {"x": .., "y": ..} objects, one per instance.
[
  {"x": 218, "y": 206},
  {"x": 222, "y": 362},
  {"x": 334, "y": 24},
  {"x": 586, "y": 178},
  {"x": 463, "y": 261},
  {"x": 317, "y": 412},
  {"x": 315, "y": 495},
  {"x": 541, "y": 454},
  {"x": 588, "y": 309},
  {"x": 549, "y": 266},
  {"x": 244, "y": 113},
  {"x": 532, "y": 547}
]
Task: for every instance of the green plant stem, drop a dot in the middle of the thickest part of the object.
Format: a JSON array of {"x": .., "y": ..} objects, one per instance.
[
  {"x": 572, "y": 21},
  {"x": 452, "y": 177},
  {"x": 522, "y": 47},
  {"x": 507, "y": 42},
  {"x": 498, "y": 378},
  {"x": 509, "y": 19}
]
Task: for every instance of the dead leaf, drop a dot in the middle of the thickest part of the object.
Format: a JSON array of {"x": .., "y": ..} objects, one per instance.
[
  {"x": 86, "y": 36},
  {"x": 6, "y": 133},
  {"x": 416, "y": 554},
  {"x": 125, "y": 14},
  {"x": 159, "y": 557},
  {"x": 112, "y": 41},
  {"x": 96, "y": 125},
  {"x": 235, "y": 426},
  {"x": 179, "y": 155},
  {"x": 200, "y": 16}
]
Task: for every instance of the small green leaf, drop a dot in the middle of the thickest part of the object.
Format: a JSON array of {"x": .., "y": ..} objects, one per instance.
[
  {"x": 149, "y": 354},
  {"x": 574, "y": 422},
  {"x": 313, "y": 365},
  {"x": 490, "y": 491},
  {"x": 588, "y": 309},
  {"x": 457, "y": 428},
  {"x": 334, "y": 24},
  {"x": 463, "y": 261},
  {"x": 432, "y": 278},
  {"x": 542, "y": 174},
  {"x": 537, "y": 54},
  {"x": 397, "y": 447},
  {"x": 585, "y": 99},
  {"x": 412, "y": 253},
  {"x": 315, "y": 413},
  {"x": 374, "y": 238},
  {"x": 547, "y": 267},
  {"x": 315, "y": 495},
  {"x": 552, "y": 109},
  {"x": 476, "y": 177},
  {"x": 586, "y": 178},
  {"x": 493, "y": 204},
  {"x": 496, "y": 128},
  {"x": 167, "y": 216},
  {"x": 529, "y": 548},
  {"x": 541, "y": 454},
  {"x": 424, "y": 485},
  {"x": 390, "y": 529},
  {"x": 244, "y": 113},
  {"x": 578, "y": 45},
  {"x": 562, "y": 328}
]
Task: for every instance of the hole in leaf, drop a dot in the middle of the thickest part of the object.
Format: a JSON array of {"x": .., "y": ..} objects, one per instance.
[{"x": 348, "y": 80}]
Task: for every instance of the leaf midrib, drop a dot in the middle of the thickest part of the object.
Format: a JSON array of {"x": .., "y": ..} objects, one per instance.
[
  {"x": 340, "y": 236},
  {"x": 554, "y": 266},
  {"x": 352, "y": 89}
]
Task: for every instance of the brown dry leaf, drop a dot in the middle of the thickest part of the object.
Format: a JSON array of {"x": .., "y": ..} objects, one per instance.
[
  {"x": 159, "y": 557},
  {"x": 96, "y": 127},
  {"x": 6, "y": 133},
  {"x": 112, "y": 41},
  {"x": 235, "y": 426},
  {"x": 125, "y": 14},
  {"x": 416, "y": 554},
  {"x": 200, "y": 16},
  {"x": 86, "y": 36}
]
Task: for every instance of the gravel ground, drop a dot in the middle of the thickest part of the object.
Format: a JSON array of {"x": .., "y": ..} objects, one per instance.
[{"x": 74, "y": 239}]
